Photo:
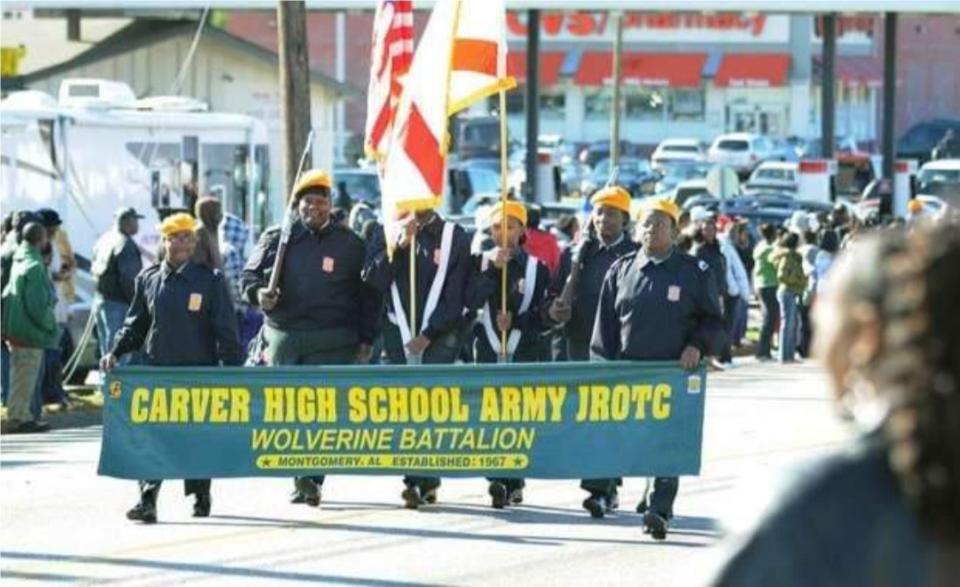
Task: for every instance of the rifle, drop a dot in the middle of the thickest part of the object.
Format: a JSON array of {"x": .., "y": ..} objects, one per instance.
[
  {"x": 567, "y": 294},
  {"x": 288, "y": 219}
]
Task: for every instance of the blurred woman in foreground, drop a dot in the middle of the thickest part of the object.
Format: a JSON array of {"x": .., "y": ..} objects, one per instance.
[{"x": 887, "y": 510}]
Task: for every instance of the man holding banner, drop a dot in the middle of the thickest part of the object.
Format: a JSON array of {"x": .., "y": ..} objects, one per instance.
[
  {"x": 442, "y": 260},
  {"x": 182, "y": 315},
  {"x": 322, "y": 312},
  {"x": 525, "y": 320},
  {"x": 657, "y": 304}
]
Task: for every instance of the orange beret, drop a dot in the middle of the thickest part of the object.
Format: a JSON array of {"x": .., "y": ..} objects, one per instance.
[
  {"x": 512, "y": 208},
  {"x": 613, "y": 196}
]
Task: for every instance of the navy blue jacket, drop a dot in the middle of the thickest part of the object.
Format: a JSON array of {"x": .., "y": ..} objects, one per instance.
[
  {"x": 321, "y": 286},
  {"x": 380, "y": 273},
  {"x": 594, "y": 260},
  {"x": 181, "y": 317},
  {"x": 486, "y": 288},
  {"x": 651, "y": 312}
]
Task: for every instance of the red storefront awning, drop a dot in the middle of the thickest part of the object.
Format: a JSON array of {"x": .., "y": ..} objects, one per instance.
[
  {"x": 550, "y": 64},
  {"x": 753, "y": 70},
  {"x": 675, "y": 70},
  {"x": 854, "y": 70}
]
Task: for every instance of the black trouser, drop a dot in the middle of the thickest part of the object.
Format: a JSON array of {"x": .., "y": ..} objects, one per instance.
[
  {"x": 442, "y": 351},
  {"x": 730, "y": 306},
  {"x": 601, "y": 487},
  {"x": 332, "y": 346},
  {"x": 511, "y": 484},
  {"x": 660, "y": 500},
  {"x": 150, "y": 489},
  {"x": 771, "y": 314},
  {"x": 806, "y": 329}
]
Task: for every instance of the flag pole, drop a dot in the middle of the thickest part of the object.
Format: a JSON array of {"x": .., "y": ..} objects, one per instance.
[
  {"x": 503, "y": 215},
  {"x": 413, "y": 359}
]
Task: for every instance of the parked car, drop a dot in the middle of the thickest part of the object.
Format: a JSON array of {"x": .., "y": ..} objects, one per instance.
[
  {"x": 741, "y": 151},
  {"x": 813, "y": 149},
  {"x": 688, "y": 190},
  {"x": 676, "y": 172},
  {"x": 918, "y": 142},
  {"x": 764, "y": 208},
  {"x": 635, "y": 175},
  {"x": 600, "y": 150},
  {"x": 357, "y": 184},
  {"x": 784, "y": 150},
  {"x": 678, "y": 150},
  {"x": 941, "y": 178},
  {"x": 773, "y": 176}
]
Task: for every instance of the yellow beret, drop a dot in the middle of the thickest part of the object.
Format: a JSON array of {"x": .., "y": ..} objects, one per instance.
[
  {"x": 180, "y": 222},
  {"x": 513, "y": 209},
  {"x": 613, "y": 196},
  {"x": 314, "y": 178},
  {"x": 915, "y": 206},
  {"x": 664, "y": 205}
]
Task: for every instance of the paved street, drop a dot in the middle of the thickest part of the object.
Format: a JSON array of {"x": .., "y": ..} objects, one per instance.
[{"x": 63, "y": 523}]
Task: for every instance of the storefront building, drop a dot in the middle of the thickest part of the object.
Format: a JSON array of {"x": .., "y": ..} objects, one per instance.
[{"x": 693, "y": 75}]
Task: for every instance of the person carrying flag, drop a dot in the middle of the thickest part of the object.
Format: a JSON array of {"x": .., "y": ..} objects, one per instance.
[
  {"x": 526, "y": 316},
  {"x": 442, "y": 255}
]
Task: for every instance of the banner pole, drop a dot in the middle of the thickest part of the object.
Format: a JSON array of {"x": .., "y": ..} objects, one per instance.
[{"x": 503, "y": 215}]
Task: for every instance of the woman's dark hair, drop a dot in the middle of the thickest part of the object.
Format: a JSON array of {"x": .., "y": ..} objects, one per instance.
[
  {"x": 830, "y": 242},
  {"x": 789, "y": 240},
  {"x": 768, "y": 232},
  {"x": 913, "y": 282}
]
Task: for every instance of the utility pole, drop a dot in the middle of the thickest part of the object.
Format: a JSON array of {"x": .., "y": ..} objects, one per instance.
[
  {"x": 615, "y": 105},
  {"x": 294, "y": 84}
]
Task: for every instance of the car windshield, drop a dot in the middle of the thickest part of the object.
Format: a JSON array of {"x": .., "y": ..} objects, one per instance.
[
  {"x": 483, "y": 181},
  {"x": 682, "y": 172},
  {"x": 681, "y": 148},
  {"x": 776, "y": 174},
  {"x": 940, "y": 176},
  {"x": 733, "y": 145},
  {"x": 360, "y": 186}
]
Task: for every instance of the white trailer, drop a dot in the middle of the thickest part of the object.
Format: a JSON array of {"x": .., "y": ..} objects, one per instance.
[{"x": 99, "y": 148}]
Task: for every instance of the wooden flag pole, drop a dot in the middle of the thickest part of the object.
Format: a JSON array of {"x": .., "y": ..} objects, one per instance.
[
  {"x": 411, "y": 358},
  {"x": 503, "y": 215}
]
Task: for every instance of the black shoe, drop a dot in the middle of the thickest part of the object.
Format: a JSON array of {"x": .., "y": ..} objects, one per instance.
[
  {"x": 642, "y": 507},
  {"x": 307, "y": 491},
  {"x": 31, "y": 427},
  {"x": 613, "y": 502},
  {"x": 516, "y": 497},
  {"x": 596, "y": 505},
  {"x": 143, "y": 512},
  {"x": 411, "y": 497},
  {"x": 656, "y": 525},
  {"x": 498, "y": 495},
  {"x": 430, "y": 496},
  {"x": 201, "y": 506}
]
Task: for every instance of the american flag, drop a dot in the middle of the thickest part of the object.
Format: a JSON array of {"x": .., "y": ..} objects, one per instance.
[{"x": 392, "y": 52}]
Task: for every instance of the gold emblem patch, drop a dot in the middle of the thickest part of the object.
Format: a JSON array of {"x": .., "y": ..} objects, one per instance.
[{"x": 115, "y": 389}]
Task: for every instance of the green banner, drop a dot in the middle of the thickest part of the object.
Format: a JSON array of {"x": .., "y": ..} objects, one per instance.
[{"x": 542, "y": 420}]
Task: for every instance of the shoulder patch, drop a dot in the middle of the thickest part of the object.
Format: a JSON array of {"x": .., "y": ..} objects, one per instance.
[{"x": 703, "y": 265}]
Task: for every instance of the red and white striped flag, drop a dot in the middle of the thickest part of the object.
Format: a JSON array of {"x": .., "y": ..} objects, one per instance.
[
  {"x": 390, "y": 58},
  {"x": 461, "y": 59}
]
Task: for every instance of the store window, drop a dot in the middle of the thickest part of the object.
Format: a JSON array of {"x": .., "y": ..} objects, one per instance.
[
  {"x": 596, "y": 103},
  {"x": 553, "y": 103},
  {"x": 644, "y": 103},
  {"x": 687, "y": 105}
]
